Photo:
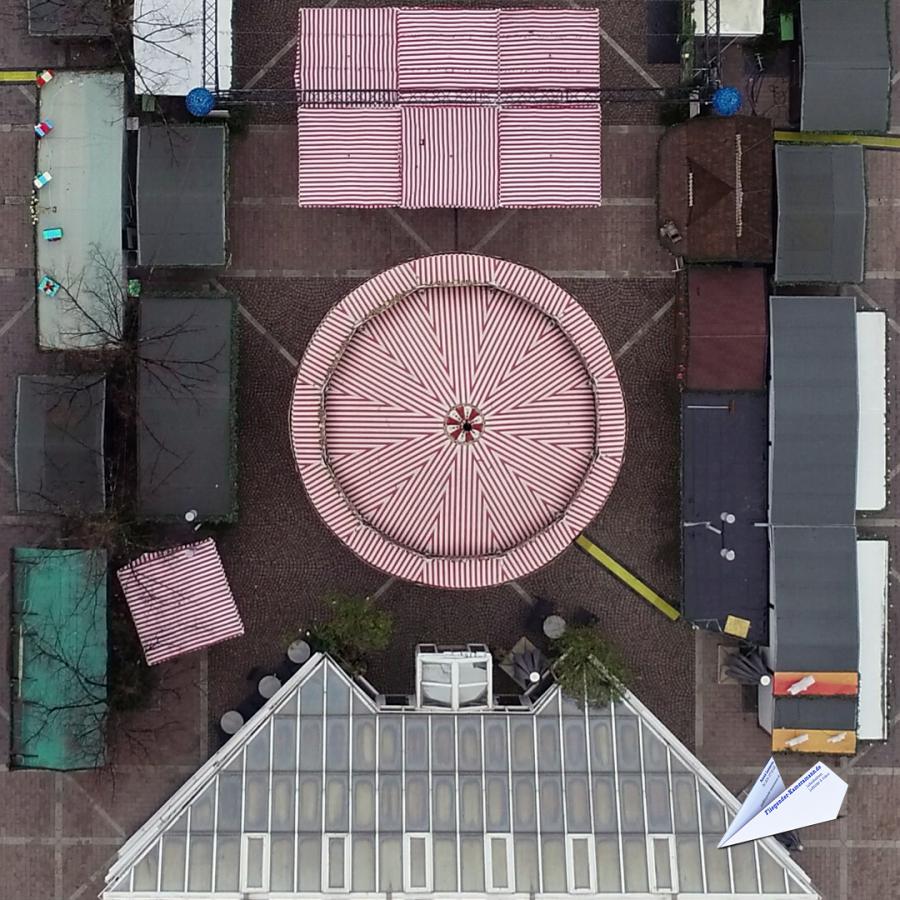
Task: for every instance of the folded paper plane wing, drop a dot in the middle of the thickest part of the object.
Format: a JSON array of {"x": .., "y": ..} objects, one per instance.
[{"x": 770, "y": 808}]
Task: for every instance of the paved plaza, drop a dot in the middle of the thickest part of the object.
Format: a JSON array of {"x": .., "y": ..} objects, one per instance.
[{"x": 287, "y": 266}]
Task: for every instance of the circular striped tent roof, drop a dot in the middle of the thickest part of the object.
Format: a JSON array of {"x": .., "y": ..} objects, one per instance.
[{"x": 457, "y": 420}]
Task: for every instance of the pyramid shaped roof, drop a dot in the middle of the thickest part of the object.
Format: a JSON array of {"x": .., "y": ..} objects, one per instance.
[{"x": 325, "y": 791}]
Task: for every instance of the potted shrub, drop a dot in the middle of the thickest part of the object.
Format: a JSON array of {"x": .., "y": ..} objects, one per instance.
[
  {"x": 355, "y": 628},
  {"x": 587, "y": 668}
]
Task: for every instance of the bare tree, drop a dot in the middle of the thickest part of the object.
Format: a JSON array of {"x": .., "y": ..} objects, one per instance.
[{"x": 93, "y": 707}]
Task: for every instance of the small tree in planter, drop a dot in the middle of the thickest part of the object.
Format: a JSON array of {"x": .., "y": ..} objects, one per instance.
[
  {"x": 356, "y": 627},
  {"x": 587, "y": 668}
]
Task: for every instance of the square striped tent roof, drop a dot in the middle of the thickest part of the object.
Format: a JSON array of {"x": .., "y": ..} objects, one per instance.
[{"x": 180, "y": 600}]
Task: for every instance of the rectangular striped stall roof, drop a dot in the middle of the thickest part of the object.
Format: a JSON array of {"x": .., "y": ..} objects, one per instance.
[
  {"x": 347, "y": 49},
  {"x": 544, "y": 48},
  {"x": 550, "y": 157},
  {"x": 349, "y": 157},
  {"x": 449, "y": 156},
  {"x": 180, "y": 600},
  {"x": 445, "y": 49},
  {"x": 423, "y": 108}
]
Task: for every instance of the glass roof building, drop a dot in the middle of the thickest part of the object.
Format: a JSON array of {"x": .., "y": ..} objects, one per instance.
[{"x": 326, "y": 790}]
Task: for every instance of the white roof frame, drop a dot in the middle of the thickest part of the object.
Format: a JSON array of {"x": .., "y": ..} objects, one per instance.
[{"x": 552, "y": 709}]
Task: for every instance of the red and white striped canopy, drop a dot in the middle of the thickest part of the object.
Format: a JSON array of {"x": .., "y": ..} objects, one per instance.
[
  {"x": 457, "y": 420},
  {"x": 180, "y": 600},
  {"x": 456, "y": 108}
]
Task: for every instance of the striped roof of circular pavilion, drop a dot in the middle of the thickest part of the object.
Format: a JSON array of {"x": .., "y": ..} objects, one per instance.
[{"x": 457, "y": 420}]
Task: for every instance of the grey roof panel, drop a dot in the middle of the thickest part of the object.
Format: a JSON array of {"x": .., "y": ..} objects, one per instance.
[
  {"x": 833, "y": 107},
  {"x": 846, "y": 65},
  {"x": 85, "y": 19},
  {"x": 814, "y": 592},
  {"x": 815, "y": 712},
  {"x": 185, "y": 429},
  {"x": 814, "y": 411},
  {"x": 821, "y": 214},
  {"x": 59, "y": 443},
  {"x": 181, "y": 195},
  {"x": 724, "y": 469}
]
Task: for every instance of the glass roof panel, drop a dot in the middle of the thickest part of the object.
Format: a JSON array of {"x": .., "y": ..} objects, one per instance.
[
  {"x": 415, "y": 750},
  {"x": 525, "y": 854},
  {"x": 443, "y": 802},
  {"x": 364, "y": 743},
  {"x": 377, "y": 775},
  {"x": 609, "y": 877},
  {"x": 363, "y": 861},
  {"x": 200, "y": 863},
  {"x": 496, "y": 743},
  {"x": 364, "y": 803},
  {"x": 578, "y": 804},
  {"x": 684, "y": 799},
  {"x": 444, "y": 862},
  {"x": 470, "y": 803},
  {"x": 338, "y": 696},
  {"x": 628, "y": 752},
  {"x": 469, "y": 743},
  {"x": 284, "y": 744},
  {"x": 443, "y": 744},
  {"x": 257, "y": 751},
  {"x": 282, "y": 874},
  {"x": 496, "y": 803},
  {"x": 337, "y": 744},
  {"x": 690, "y": 868},
  {"x": 227, "y": 856}
]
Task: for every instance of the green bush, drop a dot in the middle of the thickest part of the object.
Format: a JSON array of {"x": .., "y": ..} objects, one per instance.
[
  {"x": 587, "y": 668},
  {"x": 356, "y": 628}
]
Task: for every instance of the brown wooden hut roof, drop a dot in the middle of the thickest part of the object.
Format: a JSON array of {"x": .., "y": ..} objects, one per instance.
[{"x": 715, "y": 185}]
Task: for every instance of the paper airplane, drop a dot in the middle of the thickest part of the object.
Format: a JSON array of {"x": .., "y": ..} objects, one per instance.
[{"x": 770, "y": 808}]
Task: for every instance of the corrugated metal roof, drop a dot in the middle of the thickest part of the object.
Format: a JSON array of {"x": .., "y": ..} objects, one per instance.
[
  {"x": 59, "y": 443},
  {"x": 814, "y": 411},
  {"x": 815, "y": 624},
  {"x": 846, "y": 65},
  {"x": 60, "y": 655},
  {"x": 821, "y": 213},
  {"x": 723, "y": 470},
  {"x": 815, "y": 712},
  {"x": 185, "y": 439},
  {"x": 728, "y": 334},
  {"x": 181, "y": 195}
]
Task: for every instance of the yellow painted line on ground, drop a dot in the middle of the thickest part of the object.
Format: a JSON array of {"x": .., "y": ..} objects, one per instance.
[
  {"x": 635, "y": 583},
  {"x": 878, "y": 141},
  {"x": 18, "y": 77}
]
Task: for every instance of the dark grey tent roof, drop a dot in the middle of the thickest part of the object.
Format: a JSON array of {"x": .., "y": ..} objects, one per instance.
[
  {"x": 816, "y": 626},
  {"x": 821, "y": 233},
  {"x": 84, "y": 19},
  {"x": 185, "y": 434},
  {"x": 59, "y": 443},
  {"x": 723, "y": 469},
  {"x": 814, "y": 410},
  {"x": 181, "y": 195},
  {"x": 846, "y": 65},
  {"x": 815, "y": 712}
]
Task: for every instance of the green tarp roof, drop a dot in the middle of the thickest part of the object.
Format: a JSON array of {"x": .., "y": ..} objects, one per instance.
[{"x": 59, "y": 658}]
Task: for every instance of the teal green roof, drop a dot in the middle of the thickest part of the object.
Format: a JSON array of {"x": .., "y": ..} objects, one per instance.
[{"x": 59, "y": 658}]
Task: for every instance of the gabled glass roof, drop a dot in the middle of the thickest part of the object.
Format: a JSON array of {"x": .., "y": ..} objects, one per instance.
[{"x": 324, "y": 792}]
